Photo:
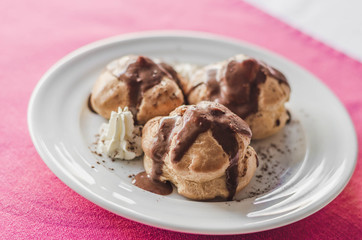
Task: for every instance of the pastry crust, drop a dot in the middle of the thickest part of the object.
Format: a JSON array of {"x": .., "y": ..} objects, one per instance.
[
  {"x": 272, "y": 114},
  {"x": 201, "y": 173},
  {"x": 273, "y": 92},
  {"x": 111, "y": 91}
]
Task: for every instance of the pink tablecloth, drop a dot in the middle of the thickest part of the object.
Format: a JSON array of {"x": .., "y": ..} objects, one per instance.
[{"x": 34, "y": 203}]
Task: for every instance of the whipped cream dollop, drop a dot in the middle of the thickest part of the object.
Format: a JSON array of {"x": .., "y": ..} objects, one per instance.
[{"x": 120, "y": 138}]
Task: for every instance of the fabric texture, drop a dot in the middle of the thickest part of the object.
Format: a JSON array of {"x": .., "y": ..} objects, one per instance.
[
  {"x": 325, "y": 20},
  {"x": 34, "y": 203}
]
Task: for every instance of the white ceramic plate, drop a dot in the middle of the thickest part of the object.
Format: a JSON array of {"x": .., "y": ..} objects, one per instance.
[{"x": 301, "y": 169}]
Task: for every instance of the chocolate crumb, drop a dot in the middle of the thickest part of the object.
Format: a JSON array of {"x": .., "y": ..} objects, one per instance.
[
  {"x": 263, "y": 155},
  {"x": 265, "y": 167}
]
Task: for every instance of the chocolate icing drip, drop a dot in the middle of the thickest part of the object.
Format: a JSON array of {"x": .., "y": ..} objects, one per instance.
[
  {"x": 142, "y": 75},
  {"x": 195, "y": 123},
  {"x": 218, "y": 119},
  {"x": 161, "y": 145},
  {"x": 238, "y": 88},
  {"x": 186, "y": 128},
  {"x": 270, "y": 71},
  {"x": 167, "y": 68},
  {"x": 232, "y": 175},
  {"x": 90, "y": 107}
]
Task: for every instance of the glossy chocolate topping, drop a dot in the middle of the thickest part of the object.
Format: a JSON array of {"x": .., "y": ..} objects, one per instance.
[
  {"x": 142, "y": 75},
  {"x": 142, "y": 180},
  {"x": 162, "y": 144},
  {"x": 187, "y": 126},
  {"x": 90, "y": 107},
  {"x": 236, "y": 84}
]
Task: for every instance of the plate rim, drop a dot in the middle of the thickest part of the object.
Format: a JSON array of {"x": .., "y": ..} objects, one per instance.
[{"x": 84, "y": 192}]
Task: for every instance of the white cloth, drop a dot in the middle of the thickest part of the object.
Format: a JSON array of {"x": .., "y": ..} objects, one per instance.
[{"x": 336, "y": 23}]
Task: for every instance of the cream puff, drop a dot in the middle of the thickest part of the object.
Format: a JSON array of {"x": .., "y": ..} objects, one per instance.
[
  {"x": 147, "y": 88},
  {"x": 253, "y": 90},
  {"x": 202, "y": 149}
]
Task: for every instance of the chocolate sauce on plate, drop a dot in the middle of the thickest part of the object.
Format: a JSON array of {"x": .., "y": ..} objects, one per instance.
[{"x": 142, "y": 180}]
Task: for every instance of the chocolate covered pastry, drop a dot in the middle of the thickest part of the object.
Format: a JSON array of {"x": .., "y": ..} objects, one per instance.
[
  {"x": 250, "y": 88},
  {"x": 202, "y": 149},
  {"x": 148, "y": 89}
]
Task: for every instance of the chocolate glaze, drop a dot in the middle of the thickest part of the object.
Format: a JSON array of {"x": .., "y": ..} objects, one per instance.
[
  {"x": 160, "y": 147},
  {"x": 167, "y": 68},
  {"x": 142, "y": 75},
  {"x": 187, "y": 126},
  {"x": 237, "y": 87},
  {"x": 142, "y": 180},
  {"x": 90, "y": 107},
  {"x": 232, "y": 175}
]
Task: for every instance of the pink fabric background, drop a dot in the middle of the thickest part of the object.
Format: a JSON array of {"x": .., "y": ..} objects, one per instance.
[{"x": 34, "y": 203}]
